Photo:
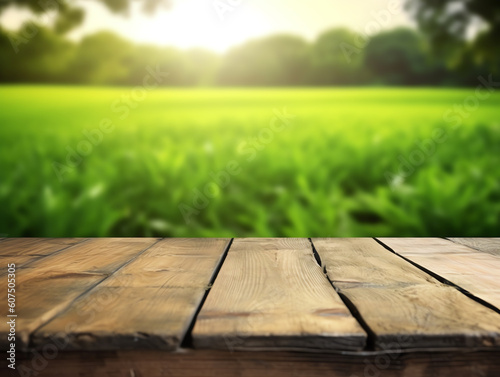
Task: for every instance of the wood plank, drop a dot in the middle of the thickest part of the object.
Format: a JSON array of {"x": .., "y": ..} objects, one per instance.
[
  {"x": 48, "y": 286},
  {"x": 22, "y": 251},
  {"x": 488, "y": 245},
  {"x": 474, "y": 271},
  {"x": 35, "y": 246},
  {"x": 209, "y": 363},
  {"x": 150, "y": 303},
  {"x": 272, "y": 293},
  {"x": 402, "y": 304}
]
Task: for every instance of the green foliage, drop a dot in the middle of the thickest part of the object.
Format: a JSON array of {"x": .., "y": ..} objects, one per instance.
[
  {"x": 68, "y": 19},
  {"x": 276, "y": 60},
  {"x": 43, "y": 58},
  {"x": 323, "y": 175},
  {"x": 336, "y": 59},
  {"x": 447, "y": 23},
  {"x": 101, "y": 59},
  {"x": 396, "y": 57},
  {"x": 69, "y": 16}
]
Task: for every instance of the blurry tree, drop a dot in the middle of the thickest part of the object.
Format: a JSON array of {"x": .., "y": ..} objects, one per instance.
[
  {"x": 336, "y": 59},
  {"x": 485, "y": 52},
  {"x": 448, "y": 23},
  {"x": 397, "y": 57},
  {"x": 101, "y": 58},
  {"x": 45, "y": 59},
  {"x": 69, "y": 15},
  {"x": 275, "y": 60}
]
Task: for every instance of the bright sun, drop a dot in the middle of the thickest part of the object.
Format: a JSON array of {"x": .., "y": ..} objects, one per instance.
[{"x": 198, "y": 24}]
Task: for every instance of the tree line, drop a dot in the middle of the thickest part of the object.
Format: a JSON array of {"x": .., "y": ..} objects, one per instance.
[{"x": 402, "y": 56}]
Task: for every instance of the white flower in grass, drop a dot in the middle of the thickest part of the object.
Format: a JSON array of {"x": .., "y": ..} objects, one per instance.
[
  {"x": 397, "y": 181},
  {"x": 159, "y": 225}
]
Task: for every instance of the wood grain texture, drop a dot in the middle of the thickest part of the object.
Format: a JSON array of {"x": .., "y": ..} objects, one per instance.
[
  {"x": 46, "y": 287},
  {"x": 402, "y": 304},
  {"x": 488, "y": 245},
  {"x": 35, "y": 246},
  {"x": 208, "y": 363},
  {"x": 22, "y": 251},
  {"x": 272, "y": 293},
  {"x": 150, "y": 303},
  {"x": 472, "y": 270}
]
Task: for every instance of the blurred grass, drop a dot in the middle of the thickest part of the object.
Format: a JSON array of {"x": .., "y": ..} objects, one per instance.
[{"x": 322, "y": 176}]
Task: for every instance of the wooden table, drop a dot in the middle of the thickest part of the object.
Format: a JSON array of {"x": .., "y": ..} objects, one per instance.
[{"x": 253, "y": 307}]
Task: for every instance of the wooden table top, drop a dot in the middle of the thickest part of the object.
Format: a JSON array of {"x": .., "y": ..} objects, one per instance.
[{"x": 254, "y": 306}]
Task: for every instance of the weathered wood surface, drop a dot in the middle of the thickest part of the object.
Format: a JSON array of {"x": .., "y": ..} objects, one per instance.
[
  {"x": 46, "y": 287},
  {"x": 207, "y": 363},
  {"x": 149, "y": 303},
  {"x": 476, "y": 272},
  {"x": 488, "y": 245},
  {"x": 402, "y": 304},
  {"x": 272, "y": 293},
  {"x": 22, "y": 251}
]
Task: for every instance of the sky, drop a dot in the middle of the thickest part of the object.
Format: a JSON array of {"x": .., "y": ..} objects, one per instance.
[{"x": 218, "y": 26}]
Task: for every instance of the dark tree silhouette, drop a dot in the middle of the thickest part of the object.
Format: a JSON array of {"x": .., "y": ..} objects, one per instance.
[
  {"x": 447, "y": 23},
  {"x": 444, "y": 19},
  {"x": 397, "y": 57},
  {"x": 70, "y": 15}
]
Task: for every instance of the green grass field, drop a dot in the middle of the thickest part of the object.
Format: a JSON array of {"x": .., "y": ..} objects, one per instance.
[{"x": 352, "y": 162}]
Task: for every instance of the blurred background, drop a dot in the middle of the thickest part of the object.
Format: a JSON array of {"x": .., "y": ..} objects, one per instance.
[{"x": 249, "y": 118}]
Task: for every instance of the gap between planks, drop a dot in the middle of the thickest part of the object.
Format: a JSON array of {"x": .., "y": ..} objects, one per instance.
[
  {"x": 476, "y": 288},
  {"x": 401, "y": 303},
  {"x": 370, "y": 334},
  {"x": 187, "y": 338}
]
